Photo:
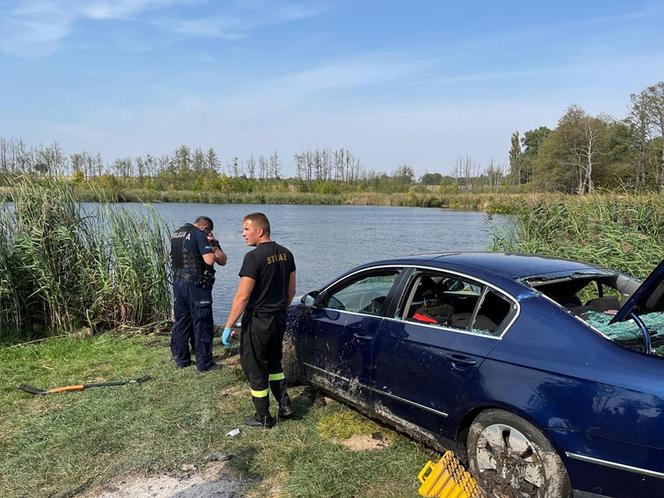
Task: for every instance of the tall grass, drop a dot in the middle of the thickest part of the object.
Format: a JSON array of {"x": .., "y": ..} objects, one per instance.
[
  {"x": 622, "y": 232},
  {"x": 489, "y": 202},
  {"x": 61, "y": 268}
]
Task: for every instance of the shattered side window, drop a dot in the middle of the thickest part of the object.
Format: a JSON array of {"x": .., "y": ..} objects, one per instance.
[
  {"x": 454, "y": 302},
  {"x": 627, "y": 333},
  {"x": 492, "y": 314}
]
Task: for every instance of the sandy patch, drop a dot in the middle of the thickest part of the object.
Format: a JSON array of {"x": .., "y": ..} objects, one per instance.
[
  {"x": 212, "y": 481},
  {"x": 363, "y": 442},
  {"x": 272, "y": 487}
]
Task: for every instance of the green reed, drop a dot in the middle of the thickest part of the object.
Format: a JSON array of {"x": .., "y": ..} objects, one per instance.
[
  {"x": 62, "y": 268},
  {"x": 622, "y": 232},
  {"x": 489, "y": 202}
]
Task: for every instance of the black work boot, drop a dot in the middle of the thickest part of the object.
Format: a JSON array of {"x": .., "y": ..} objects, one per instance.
[
  {"x": 278, "y": 388},
  {"x": 257, "y": 421},
  {"x": 262, "y": 417}
]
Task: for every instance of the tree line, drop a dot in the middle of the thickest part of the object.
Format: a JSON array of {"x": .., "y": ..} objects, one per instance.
[
  {"x": 318, "y": 170},
  {"x": 581, "y": 154},
  {"x": 584, "y": 153}
]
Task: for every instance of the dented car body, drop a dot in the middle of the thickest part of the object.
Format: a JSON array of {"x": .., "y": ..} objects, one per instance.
[{"x": 544, "y": 374}]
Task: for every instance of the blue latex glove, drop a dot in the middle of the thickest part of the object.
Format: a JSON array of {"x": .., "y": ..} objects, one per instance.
[{"x": 226, "y": 337}]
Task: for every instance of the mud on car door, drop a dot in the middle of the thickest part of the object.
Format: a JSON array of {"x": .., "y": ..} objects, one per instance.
[
  {"x": 426, "y": 358},
  {"x": 344, "y": 322}
]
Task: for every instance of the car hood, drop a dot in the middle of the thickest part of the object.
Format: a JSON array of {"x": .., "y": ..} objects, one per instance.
[{"x": 647, "y": 298}]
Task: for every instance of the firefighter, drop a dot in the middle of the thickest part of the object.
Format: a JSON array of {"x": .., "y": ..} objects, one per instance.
[
  {"x": 267, "y": 286},
  {"x": 194, "y": 251}
]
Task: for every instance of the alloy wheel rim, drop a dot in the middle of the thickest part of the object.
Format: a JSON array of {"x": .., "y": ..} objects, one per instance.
[{"x": 505, "y": 456}]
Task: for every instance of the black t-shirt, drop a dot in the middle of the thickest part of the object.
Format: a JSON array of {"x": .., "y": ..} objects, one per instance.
[{"x": 270, "y": 265}]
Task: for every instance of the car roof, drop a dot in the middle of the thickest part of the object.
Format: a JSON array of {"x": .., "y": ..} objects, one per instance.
[{"x": 511, "y": 266}]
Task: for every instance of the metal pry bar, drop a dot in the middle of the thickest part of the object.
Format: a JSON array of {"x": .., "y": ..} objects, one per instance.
[{"x": 79, "y": 387}]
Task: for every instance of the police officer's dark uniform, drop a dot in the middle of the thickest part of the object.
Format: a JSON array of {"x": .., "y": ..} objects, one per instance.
[
  {"x": 263, "y": 324},
  {"x": 192, "y": 291}
]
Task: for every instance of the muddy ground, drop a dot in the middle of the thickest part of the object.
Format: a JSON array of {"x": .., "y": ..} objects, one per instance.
[{"x": 212, "y": 481}]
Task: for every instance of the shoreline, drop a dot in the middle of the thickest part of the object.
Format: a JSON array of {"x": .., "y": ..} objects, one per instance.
[{"x": 489, "y": 202}]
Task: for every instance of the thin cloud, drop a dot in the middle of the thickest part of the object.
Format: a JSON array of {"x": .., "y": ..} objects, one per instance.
[
  {"x": 347, "y": 74},
  {"x": 302, "y": 88},
  {"x": 239, "y": 19},
  {"x": 35, "y": 28},
  {"x": 123, "y": 9}
]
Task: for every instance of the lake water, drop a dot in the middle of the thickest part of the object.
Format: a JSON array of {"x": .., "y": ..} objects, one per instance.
[{"x": 328, "y": 240}]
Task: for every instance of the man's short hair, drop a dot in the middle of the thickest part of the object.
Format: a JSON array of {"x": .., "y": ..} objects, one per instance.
[
  {"x": 260, "y": 221},
  {"x": 205, "y": 221}
]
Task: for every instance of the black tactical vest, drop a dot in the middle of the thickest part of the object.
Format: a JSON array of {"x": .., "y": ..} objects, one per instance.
[{"x": 188, "y": 264}]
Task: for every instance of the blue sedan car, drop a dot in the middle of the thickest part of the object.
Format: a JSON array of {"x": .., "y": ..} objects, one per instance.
[{"x": 544, "y": 375}]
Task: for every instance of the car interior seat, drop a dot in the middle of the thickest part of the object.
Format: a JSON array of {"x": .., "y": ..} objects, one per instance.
[
  {"x": 482, "y": 322},
  {"x": 429, "y": 308}
]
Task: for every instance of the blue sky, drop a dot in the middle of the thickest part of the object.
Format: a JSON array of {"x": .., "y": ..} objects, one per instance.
[{"x": 419, "y": 82}]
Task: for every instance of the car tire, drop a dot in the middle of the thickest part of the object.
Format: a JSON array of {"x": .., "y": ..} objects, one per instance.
[
  {"x": 511, "y": 458},
  {"x": 290, "y": 362}
]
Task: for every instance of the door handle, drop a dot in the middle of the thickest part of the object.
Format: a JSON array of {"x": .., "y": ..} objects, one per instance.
[
  {"x": 461, "y": 361},
  {"x": 362, "y": 338}
]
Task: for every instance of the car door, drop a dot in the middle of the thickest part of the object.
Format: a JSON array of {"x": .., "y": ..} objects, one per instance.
[
  {"x": 425, "y": 358},
  {"x": 344, "y": 323}
]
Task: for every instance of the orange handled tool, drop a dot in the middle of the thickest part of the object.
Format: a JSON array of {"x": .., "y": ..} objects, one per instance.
[{"x": 79, "y": 387}]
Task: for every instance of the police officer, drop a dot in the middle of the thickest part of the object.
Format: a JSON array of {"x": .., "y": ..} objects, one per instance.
[
  {"x": 267, "y": 286},
  {"x": 194, "y": 251}
]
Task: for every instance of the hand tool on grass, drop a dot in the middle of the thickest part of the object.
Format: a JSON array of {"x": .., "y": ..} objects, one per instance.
[{"x": 79, "y": 387}]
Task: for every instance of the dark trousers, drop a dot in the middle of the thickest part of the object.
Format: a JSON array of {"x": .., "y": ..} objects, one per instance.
[
  {"x": 261, "y": 349},
  {"x": 193, "y": 317}
]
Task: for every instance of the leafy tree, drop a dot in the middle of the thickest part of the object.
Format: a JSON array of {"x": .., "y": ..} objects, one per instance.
[
  {"x": 404, "y": 174},
  {"x": 182, "y": 162},
  {"x": 569, "y": 154},
  {"x": 515, "y": 160},
  {"x": 615, "y": 169},
  {"x": 639, "y": 123},
  {"x": 531, "y": 142},
  {"x": 78, "y": 176},
  {"x": 431, "y": 178},
  {"x": 212, "y": 161},
  {"x": 41, "y": 168},
  {"x": 653, "y": 99}
]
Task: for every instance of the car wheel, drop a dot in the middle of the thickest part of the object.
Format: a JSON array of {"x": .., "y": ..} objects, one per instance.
[
  {"x": 511, "y": 458},
  {"x": 290, "y": 362}
]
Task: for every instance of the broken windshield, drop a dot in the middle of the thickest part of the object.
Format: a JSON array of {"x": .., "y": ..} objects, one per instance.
[{"x": 628, "y": 333}]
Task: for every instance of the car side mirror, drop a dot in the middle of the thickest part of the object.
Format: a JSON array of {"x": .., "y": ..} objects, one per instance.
[{"x": 311, "y": 298}]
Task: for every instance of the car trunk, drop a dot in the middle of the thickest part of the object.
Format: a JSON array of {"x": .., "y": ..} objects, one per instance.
[{"x": 637, "y": 324}]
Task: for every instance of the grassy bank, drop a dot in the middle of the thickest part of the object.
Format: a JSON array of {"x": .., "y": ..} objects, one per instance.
[
  {"x": 62, "y": 268},
  {"x": 623, "y": 232},
  {"x": 489, "y": 202},
  {"x": 59, "y": 445}
]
